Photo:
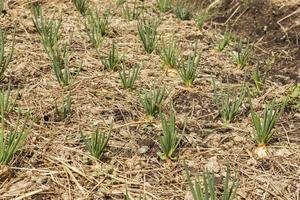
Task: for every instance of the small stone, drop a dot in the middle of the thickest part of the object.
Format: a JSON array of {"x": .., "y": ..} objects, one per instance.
[
  {"x": 238, "y": 139},
  {"x": 251, "y": 162},
  {"x": 188, "y": 196},
  {"x": 212, "y": 165},
  {"x": 143, "y": 149}
]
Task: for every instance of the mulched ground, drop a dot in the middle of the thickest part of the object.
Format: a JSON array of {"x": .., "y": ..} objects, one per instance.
[{"x": 54, "y": 163}]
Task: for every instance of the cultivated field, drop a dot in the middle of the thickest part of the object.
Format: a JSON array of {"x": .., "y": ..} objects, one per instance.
[{"x": 116, "y": 99}]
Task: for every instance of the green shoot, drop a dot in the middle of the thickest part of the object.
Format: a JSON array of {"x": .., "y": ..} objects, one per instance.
[
  {"x": 60, "y": 65},
  {"x": 188, "y": 70},
  {"x": 208, "y": 189},
  {"x": 47, "y": 29},
  {"x": 152, "y": 101},
  {"x": 65, "y": 110},
  {"x": 113, "y": 59},
  {"x": 82, "y": 6},
  {"x": 260, "y": 80},
  {"x": 97, "y": 143},
  {"x": 5, "y": 59},
  {"x": 164, "y": 5},
  {"x": 169, "y": 54},
  {"x": 13, "y": 140},
  {"x": 99, "y": 24},
  {"x": 263, "y": 127},
  {"x": 225, "y": 40},
  {"x": 134, "y": 13},
  {"x": 120, "y": 2},
  {"x": 169, "y": 140},
  {"x": 147, "y": 32},
  {"x": 201, "y": 18},
  {"x": 129, "y": 80},
  {"x": 2, "y": 7},
  {"x": 241, "y": 57},
  {"x": 182, "y": 13},
  {"x": 8, "y": 103},
  {"x": 229, "y": 104}
]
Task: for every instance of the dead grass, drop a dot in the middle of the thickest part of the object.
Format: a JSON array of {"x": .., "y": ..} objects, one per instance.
[{"x": 54, "y": 163}]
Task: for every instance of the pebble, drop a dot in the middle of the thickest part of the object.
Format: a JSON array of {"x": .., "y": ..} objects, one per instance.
[
  {"x": 212, "y": 165},
  {"x": 143, "y": 149}
]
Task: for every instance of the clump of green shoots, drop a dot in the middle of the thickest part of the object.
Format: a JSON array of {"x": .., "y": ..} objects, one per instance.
[
  {"x": 8, "y": 103},
  {"x": 169, "y": 53},
  {"x": 260, "y": 80},
  {"x": 97, "y": 142},
  {"x": 12, "y": 141},
  {"x": 147, "y": 32},
  {"x": 5, "y": 58},
  {"x": 134, "y": 13},
  {"x": 170, "y": 139},
  {"x": 164, "y": 5},
  {"x": 202, "y": 17},
  {"x": 229, "y": 104},
  {"x": 182, "y": 12},
  {"x": 208, "y": 189},
  {"x": 225, "y": 40},
  {"x": 188, "y": 69},
  {"x": 47, "y": 29},
  {"x": 152, "y": 101},
  {"x": 111, "y": 63},
  {"x": 100, "y": 24},
  {"x": 263, "y": 126},
  {"x": 82, "y": 6},
  {"x": 241, "y": 57},
  {"x": 120, "y": 2},
  {"x": 65, "y": 110},
  {"x": 129, "y": 80}
]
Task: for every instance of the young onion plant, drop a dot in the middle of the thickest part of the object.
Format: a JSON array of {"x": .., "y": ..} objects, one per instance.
[
  {"x": 201, "y": 18},
  {"x": 129, "y": 80},
  {"x": 229, "y": 104},
  {"x": 152, "y": 101},
  {"x": 208, "y": 189},
  {"x": 47, "y": 29},
  {"x": 263, "y": 126},
  {"x": 97, "y": 142},
  {"x": 65, "y": 110},
  {"x": 100, "y": 24},
  {"x": 147, "y": 31},
  {"x": 164, "y": 5},
  {"x": 5, "y": 58},
  {"x": 82, "y": 6},
  {"x": 111, "y": 63},
  {"x": 132, "y": 13},
  {"x": 182, "y": 12},
  {"x": 170, "y": 139},
  {"x": 169, "y": 54},
  {"x": 11, "y": 141},
  {"x": 225, "y": 40},
  {"x": 242, "y": 57},
  {"x": 188, "y": 70},
  {"x": 8, "y": 103},
  {"x": 259, "y": 79}
]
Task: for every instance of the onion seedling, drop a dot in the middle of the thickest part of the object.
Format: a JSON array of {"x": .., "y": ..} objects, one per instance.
[
  {"x": 208, "y": 189},
  {"x": 97, "y": 142},
  {"x": 229, "y": 104},
  {"x": 201, "y": 18},
  {"x": 241, "y": 57},
  {"x": 169, "y": 53},
  {"x": 182, "y": 13},
  {"x": 129, "y": 80},
  {"x": 12, "y": 141},
  {"x": 113, "y": 59},
  {"x": 8, "y": 103},
  {"x": 65, "y": 110},
  {"x": 134, "y": 13},
  {"x": 225, "y": 40},
  {"x": 147, "y": 32},
  {"x": 260, "y": 80},
  {"x": 100, "y": 24},
  {"x": 164, "y": 5},
  {"x": 263, "y": 126},
  {"x": 188, "y": 69},
  {"x": 169, "y": 140},
  {"x": 5, "y": 58},
  {"x": 82, "y": 6},
  {"x": 152, "y": 101}
]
